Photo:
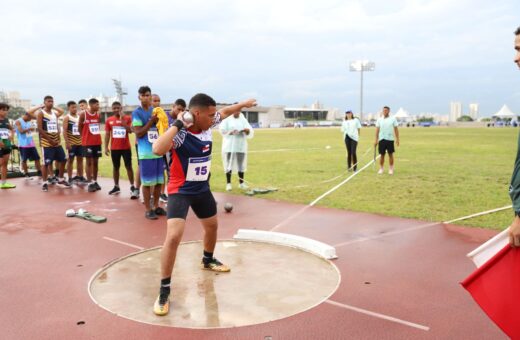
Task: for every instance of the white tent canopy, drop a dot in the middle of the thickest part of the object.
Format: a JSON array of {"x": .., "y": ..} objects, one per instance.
[
  {"x": 505, "y": 112},
  {"x": 401, "y": 114}
]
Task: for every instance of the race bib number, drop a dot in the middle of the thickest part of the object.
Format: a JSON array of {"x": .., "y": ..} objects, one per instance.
[
  {"x": 153, "y": 135},
  {"x": 75, "y": 130},
  {"x": 52, "y": 127},
  {"x": 118, "y": 132},
  {"x": 94, "y": 129},
  {"x": 198, "y": 169},
  {"x": 4, "y": 134},
  {"x": 28, "y": 134}
]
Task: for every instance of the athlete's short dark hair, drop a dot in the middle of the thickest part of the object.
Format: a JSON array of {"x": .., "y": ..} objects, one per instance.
[
  {"x": 180, "y": 102},
  {"x": 47, "y": 97},
  {"x": 201, "y": 99},
  {"x": 517, "y": 32},
  {"x": 386, "y": 107},
  {"x": 143, "y": 89},
  {"x": 4, "y": 106},
  {"x": 82, "y": 101},
  {"x": 116, "y": 103},
  {"x": 93, "y": 101},
  {"x": 70, "y": 103}
]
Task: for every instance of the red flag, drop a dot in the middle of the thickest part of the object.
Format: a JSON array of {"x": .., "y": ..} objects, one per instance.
[{"x": 495, "y": 286}]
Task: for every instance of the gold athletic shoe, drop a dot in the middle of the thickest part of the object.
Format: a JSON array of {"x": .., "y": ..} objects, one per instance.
[
  {"x": 215, "y": 265},
  {"x": 161, "y": 308}
]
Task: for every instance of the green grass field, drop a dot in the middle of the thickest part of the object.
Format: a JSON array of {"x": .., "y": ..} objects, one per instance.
[{"x": 440, "y": 173}]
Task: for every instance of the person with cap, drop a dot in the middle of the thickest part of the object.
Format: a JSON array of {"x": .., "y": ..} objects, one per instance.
[{"x": 351, "y": 128}]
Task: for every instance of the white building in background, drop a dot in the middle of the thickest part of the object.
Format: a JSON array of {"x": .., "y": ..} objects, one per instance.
[
  {"x": 455, "y": 111},
  {"x": 473, "y": 111},
  {"x": 13, "y": 99}
]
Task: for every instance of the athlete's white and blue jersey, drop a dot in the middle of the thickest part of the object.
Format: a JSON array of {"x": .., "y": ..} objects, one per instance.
[{"x": 191, "y": 161}]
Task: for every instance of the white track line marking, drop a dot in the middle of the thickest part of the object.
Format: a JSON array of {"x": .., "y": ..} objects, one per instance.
[
  {"x": 479, "y": 214},
  {"x": 340, "y": 184},
  {"x": 375, "y": 237},
  {"x": 301, "y": 211},
  {"x": 123, "y": 243},
  {"x": 378, "y": 315}
]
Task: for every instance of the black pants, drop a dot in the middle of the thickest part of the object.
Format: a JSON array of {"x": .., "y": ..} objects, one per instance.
[{"x": 351, "y": 152}]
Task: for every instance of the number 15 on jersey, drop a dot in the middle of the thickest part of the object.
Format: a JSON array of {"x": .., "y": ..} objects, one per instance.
[{"x": 198, "y": 169}]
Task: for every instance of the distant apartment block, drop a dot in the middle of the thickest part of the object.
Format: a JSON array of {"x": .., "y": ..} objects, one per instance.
[
  {"x": 455, "y": 111},
  {"x": 13, "y": 99},
  {"x": 473, "y": 111}
]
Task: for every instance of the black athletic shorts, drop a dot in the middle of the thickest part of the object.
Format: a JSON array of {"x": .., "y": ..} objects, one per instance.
[
  {"x": 30, "y": 154},
  {"x": 93, "y": 151},
  {"x": 76, "y": 151},
  {"x": 386, "y": 146},
  {"x": 116, "y": 158},
  {"x": 203, "y": 205},
  {"x": 4, "y": 151},
  {"x": 53, "y": 153}
]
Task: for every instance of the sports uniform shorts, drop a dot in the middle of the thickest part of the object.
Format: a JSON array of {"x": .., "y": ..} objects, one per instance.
[
  {"x": 76, "y": 151},
  {"x": 4, "y": 151},
  {"x": 53, "y": 153},
  {"x": 116, "y": 158},
  {"x": 151, "y": 171},
  {"x": 203, "y": 205},
  {"x": 93, "y": 151},
  {"x": 30, "y": 154},
  {"x": 386, "y": 146}
]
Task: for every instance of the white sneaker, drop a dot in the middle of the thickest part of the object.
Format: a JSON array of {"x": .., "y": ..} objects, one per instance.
[
  {"x": 229, "y": 187},
  {"x": 391, "y": 171},
  {"x": 380, "y": 172},
  {"x": 243, "y": 186}
]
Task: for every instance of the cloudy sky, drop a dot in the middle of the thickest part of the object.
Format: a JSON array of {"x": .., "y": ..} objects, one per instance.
[{"x": 427, "y": 52}]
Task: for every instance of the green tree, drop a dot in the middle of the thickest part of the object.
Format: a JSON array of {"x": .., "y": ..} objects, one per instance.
[
  {"x": 465, "y": 119},
  {"x": 15, "y": 112}
]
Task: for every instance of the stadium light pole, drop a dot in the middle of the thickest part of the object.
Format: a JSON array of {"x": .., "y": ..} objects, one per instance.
[{"x": 361, "y": 66}]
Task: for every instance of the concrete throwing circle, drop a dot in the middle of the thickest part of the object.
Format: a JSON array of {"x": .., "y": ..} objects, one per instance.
[{"x": 267, "y": 282}]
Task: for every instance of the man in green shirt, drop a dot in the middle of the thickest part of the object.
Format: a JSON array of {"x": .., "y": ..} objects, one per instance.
[
  {"x": 514, "y": 189},
  {"x": 386, "y": 134},
  {"x": 6, "y": 142}
]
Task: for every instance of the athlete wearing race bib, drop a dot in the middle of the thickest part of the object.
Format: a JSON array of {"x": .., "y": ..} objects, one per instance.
[
  {"x": 47, "y": 119},
  {"x": 91, "y": 140},
  {"x": 117, "y": 128},
  {"x": 151, "y": 166},
  {"x": 72, "y": 136},
  {"x": 24, "y": 134},
  {"x": 188, "y": 186},
  {"x": 6, "y": 139}
]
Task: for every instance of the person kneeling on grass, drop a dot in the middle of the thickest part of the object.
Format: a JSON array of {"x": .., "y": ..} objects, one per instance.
[
  {"x": 6, "y": 142},
  {"x": 189, "y": 185}
]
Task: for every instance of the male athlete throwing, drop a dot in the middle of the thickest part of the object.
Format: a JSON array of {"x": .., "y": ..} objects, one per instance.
[{"x": 188, "y": 185}]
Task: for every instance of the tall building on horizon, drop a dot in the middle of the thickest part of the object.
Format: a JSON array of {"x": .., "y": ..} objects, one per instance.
[
  {"x": 473, "y": 111},
  {"x": 13, "y": 99},
  {"x": 455, "y": 111}
]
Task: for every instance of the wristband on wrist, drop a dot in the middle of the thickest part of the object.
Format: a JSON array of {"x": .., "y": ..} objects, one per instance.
[{"x": 178, "y": 124}]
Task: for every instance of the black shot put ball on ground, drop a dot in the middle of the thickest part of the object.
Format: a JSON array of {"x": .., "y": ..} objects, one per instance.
[{"x": 228, "y": 207}]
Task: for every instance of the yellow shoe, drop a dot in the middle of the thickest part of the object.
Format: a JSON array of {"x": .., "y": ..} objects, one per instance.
[
  {"x": 161, "y": 308},
  {"x": 215, "y": 265}
]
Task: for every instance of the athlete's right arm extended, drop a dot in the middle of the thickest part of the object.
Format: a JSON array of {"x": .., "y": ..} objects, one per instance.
[{"x": 165, "y": 142}]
